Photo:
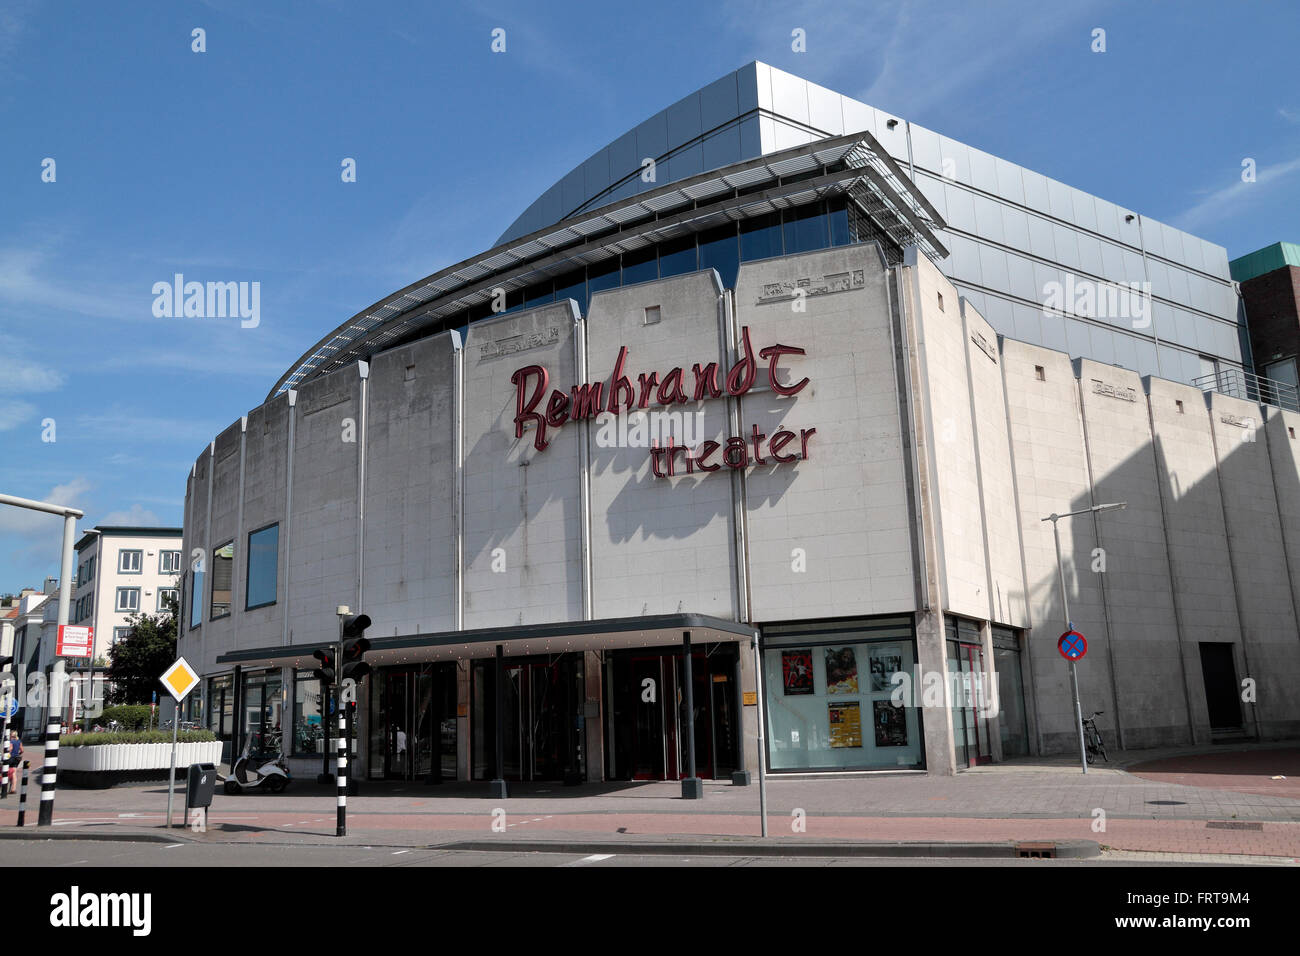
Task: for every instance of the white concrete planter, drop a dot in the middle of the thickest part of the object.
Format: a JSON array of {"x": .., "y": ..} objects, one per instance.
[{"x": 137, "y": 756}]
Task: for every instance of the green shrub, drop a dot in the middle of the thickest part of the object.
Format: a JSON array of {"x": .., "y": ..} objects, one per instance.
[
  {"x": 130, "y": 716},
  {"x": 138, "y": 737}
]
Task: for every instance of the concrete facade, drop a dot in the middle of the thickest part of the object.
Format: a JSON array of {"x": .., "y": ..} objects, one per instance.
[{"x": 938, "y": 449}]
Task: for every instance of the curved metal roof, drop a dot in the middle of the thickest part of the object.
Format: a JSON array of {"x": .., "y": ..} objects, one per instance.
[{"x": 855, "y": 165}]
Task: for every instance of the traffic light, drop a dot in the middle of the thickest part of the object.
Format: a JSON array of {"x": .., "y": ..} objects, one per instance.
[
  {"x": 355, "y": 646},
  {"x": 326, "y": 672}
]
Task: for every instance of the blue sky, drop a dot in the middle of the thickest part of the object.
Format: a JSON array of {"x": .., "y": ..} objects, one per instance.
[{"x": 224, "y": 166}]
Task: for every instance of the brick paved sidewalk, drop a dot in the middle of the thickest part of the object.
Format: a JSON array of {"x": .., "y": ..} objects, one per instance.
[{"x": 1021, "y": 801}]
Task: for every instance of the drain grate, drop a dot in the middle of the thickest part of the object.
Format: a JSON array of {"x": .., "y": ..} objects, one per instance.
[
  {"x": 1233, "y": 825},
  {"x": 1036, "y": 851},
  {"x": 1166, "y": 803}
]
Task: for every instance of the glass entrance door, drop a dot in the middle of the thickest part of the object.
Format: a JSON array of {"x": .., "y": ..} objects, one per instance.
[
  {"x": 410, "y": 710},
  {"x": 647, "y": 701},
  {"x": 970, "y": 696},
  {"x": 543, "y": 727}
]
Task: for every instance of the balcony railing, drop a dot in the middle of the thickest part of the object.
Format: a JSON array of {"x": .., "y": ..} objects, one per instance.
[{"x": 1253, "y": 388}]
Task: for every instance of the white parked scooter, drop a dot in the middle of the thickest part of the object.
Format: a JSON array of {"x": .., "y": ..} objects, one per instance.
[{"x": 273, "y": 775}]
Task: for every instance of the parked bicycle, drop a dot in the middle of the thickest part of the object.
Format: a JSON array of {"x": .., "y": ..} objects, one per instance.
[{"x": 1094, "y": 747}]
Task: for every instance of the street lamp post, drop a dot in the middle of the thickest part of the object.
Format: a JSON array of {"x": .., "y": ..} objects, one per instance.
[
  {"x": 94, "y": 618},
  {"x": 1065, "y": 607},
  {"x": 54, "y": 705}
]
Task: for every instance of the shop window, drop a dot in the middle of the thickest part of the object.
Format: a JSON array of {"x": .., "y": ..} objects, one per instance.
[
  {"x": 263, "y": 565},
  {"x": 220, "y": 711},
  {"x": 308, "y": 733},
  {"x": 262, "y": 702},
  {"x": 839, "y": 695}
]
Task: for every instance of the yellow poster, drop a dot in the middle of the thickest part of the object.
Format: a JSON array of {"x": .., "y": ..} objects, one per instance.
[{"x": 846, "y": 724}]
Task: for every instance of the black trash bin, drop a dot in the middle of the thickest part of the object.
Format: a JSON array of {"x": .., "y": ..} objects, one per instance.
[{"x": 200, "y": 784}]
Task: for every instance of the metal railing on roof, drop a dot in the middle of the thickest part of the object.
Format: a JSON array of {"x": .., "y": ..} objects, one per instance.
[{"x": 1253, "y": 388}]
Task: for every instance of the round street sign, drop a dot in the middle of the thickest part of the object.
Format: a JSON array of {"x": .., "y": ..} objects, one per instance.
[
  {"x": 8, "y": 707},
  {"x": 1072, "y": 645}
]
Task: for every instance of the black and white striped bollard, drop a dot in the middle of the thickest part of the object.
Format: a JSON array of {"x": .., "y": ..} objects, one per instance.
[
  {"x": 341, "y": 775},
  {"x": 50, "y": 772},
  {"x": 22, "y": 794}
]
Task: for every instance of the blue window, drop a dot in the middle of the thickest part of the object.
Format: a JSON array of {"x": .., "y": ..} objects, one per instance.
[
  {"x": 572, "y": 285},
  {"x": 196, "y": 599},
  {"x": 263, "y": 563},
  {"x": 805, "y": 229},
  {"x": 539, "y": 294},
  {"x": 603, "y": 276},
  {"x": 720, "y": 249},
  {"x": 760, "y": 238},
  {"x": 641, "y": 265},
  {"x": 839, "y": 223},
  {"x": 677, "y": 257}
]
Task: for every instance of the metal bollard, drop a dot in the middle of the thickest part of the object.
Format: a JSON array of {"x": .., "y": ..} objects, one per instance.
[{"x": 22, "y": 794}]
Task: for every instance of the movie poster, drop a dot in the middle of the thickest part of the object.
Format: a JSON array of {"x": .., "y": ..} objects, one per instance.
[
  {"x": 885, "y": 662},
  {"x": 891, "y": 724},
  {"x": 841, "y": 670},
  {"x": 797, "y": 672},
  {"x": 846, "y": 724}
]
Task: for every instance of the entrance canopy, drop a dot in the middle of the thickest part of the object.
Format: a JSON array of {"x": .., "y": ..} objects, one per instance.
[{"x": 655, "y": 630}]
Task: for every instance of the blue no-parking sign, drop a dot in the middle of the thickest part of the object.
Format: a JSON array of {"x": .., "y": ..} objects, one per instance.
[{"x": 1072, "y": 645}]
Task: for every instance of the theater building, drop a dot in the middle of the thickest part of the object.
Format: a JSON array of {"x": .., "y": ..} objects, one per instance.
[{"x": 742, "y": 448}]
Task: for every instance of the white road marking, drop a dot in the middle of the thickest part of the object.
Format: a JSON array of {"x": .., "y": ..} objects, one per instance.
[
  {"x": 172, "y": 846},
  {"x": 400, "y": 852},
  {"x": 594, "y": 858}
]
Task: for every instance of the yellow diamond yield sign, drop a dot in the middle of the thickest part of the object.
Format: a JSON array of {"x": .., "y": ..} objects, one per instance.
[{"x": 180, "y": 679}]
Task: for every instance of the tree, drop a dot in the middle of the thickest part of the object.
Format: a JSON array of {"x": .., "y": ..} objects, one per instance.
[{"x": 141, "y": 657}]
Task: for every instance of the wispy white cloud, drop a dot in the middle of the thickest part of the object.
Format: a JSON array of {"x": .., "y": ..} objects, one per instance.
[
  {"x": 137, "y": 514},
  {"x": 1238, "y": 198},
  {"x": 910, "y": 55},
  {"x": 26, "y": 523},
  {"x": 1290, "y": 115},
  {"x": 13, "y": 414},
  {"x": 119, "y": 423}
]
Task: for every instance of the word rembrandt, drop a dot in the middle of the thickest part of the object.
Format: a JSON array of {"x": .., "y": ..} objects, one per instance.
[{"x": 705, "y": 381}]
